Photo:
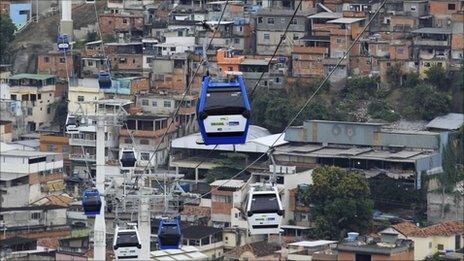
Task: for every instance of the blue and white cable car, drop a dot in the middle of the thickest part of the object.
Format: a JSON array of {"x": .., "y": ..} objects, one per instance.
[
  {"x": 63, "y": 42},
  {"x": 104, "y": 80},
  {"x": 169, "y": 235},
  {"x": 91, "y": 202},
  {"x": 223, "y": 111}
]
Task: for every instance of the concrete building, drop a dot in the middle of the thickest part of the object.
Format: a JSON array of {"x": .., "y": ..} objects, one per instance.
[
  {"x": 364, "y": 146},
  {"x": 125, "y": 58},
  {"x": 36, "y": 94},
  {"x": 270, "y": 25},
  {"x": 432, "y": 47},
  {"x": 441, "y": 237},
  {"x": 172, "y": 72},
  {"x": 55, "y": 63},
  {"x": 147, "y": 131},
  {"x": 389, "y": 247},
  {"x": 164, "y": 104},
  {"x": 83, "y": 91},
  {"x": 28, "y": 175},
  {"x": 208, "y": 240}
]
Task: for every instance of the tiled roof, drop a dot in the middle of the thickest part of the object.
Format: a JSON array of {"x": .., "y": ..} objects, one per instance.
[
  {"x": 259, "y": 249},
  {"x": 447, "y": 228},
  {"x": 48, "y": 242}
]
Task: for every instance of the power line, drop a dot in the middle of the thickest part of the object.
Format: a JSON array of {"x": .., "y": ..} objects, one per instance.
[
  {"x": 187, "y": 90},
  {"x": 307, "y": 102}
]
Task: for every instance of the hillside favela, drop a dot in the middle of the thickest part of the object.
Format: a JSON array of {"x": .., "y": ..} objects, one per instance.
[{"x": 232, "y": 130}]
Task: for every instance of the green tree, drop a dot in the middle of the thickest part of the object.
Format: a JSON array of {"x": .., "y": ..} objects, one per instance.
[
  {"x": 340, "y": 202},
  {"x": 380, "y": 109},
  {"x": 229, "y": 165},
  {"x": 61, "y": 111},
  {"x": 7, "y": 29},
  {"x": 411, "y": 80},
  {"x": 436, "y": 75},
  {"x": 428, "y": 102},
  {"x": 361, "y": 87},
  {"x": 450, "y": 176},
  {"x": 394, "y": 76}
]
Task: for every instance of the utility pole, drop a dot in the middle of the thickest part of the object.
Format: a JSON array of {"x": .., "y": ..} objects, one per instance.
[{"x": 99, "y": 247}]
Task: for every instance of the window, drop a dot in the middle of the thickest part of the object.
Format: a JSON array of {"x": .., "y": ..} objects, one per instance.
[
  {"x": 270, "y": 20},
  {"x": 23, "y": 12},
  {"x": 144, "y": 142},
  {"x": 29, "y": 111},
  {"x": 295, "y": 37},
  {"x": 36, "y": 215},
  {"x": 400, "y": 50},
  {"x": 339, "y": 40},
  {"x": 180, "y": 33},
  {"x": 222, "y": 199},
  {"x": 48, "y": 110},
  {"x": 451, "y": 6},
  {"x": 154, "y": 104},
  {"x": 440, "y": 247},
  {"x": 413, "y": 8},
  {"x": 80, "y": 98},
  {"x": 145, "y": 102},
  {"x": 39, "y": 96},
  {"x": 64, "y": 148},
  {"x": 260, "y": 20},
  {"x": 236, "y": 40},
  {"x": 127, "y": 141},
  {"x": 124, "y": 21},
  {"x": 294, "y": 21},
  {"x": 47, "y": 59},
  {"x": 173, "y": 49},
  {"x": 62, "y": 60},
  {"x": 167, "y": 104},
  {"x": 430, "y": 244},
  {"x": 267, "y": 37},
  {"x": 178, "y": 64},
  {"x": 145, "y": 156}
]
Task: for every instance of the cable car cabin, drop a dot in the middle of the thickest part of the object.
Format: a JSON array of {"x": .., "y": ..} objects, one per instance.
[
  {"x": 264, "y": 211},
  {"x": 63, "y": 42},
  {"x": 104, "y": 80},
  {"x": 223, "y": 111},
  {"x": 128, "y": 158},
  {"x": 126, "y": 243},
  {"x": 169, "y": 235},
  {"x": 91, "y": 202},
  {"x": 72, "y": 124}
]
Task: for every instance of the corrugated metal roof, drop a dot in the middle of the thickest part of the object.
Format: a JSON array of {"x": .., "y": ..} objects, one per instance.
[
  {"x": 228, "y": 183},
  {"x": 325, "y": 15},
  {"x": 450, "y": 121},
  {"x": 345, "y": 20}
]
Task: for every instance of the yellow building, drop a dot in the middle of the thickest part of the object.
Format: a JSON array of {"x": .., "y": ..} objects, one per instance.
[
  {"x": 441, "y": 237},
  {"x": 85, "y": 90},
  {"x": 425, "y": 65}
]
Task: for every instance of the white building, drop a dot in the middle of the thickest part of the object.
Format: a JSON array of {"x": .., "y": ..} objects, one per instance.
[{"x": 28, "y": 175}]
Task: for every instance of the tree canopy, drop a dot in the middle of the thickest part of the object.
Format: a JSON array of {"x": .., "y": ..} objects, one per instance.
[
  {"x": 7, "y": 29},
  {"x": 340, "y": 202}
]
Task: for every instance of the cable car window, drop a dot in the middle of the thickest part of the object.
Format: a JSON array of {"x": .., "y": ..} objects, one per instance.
[
  {"x": 224, "y": 103},
  {"x": 264, "y": 203},
  {"x": 127, "y": 239},
  {"x": 169, "y": 234}
]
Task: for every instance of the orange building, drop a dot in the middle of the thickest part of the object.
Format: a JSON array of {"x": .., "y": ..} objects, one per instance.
[
  {"x": 227, "y": 61},
  {"x": 56, "y": 143},
  {"x": 54, "y": 63}
]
